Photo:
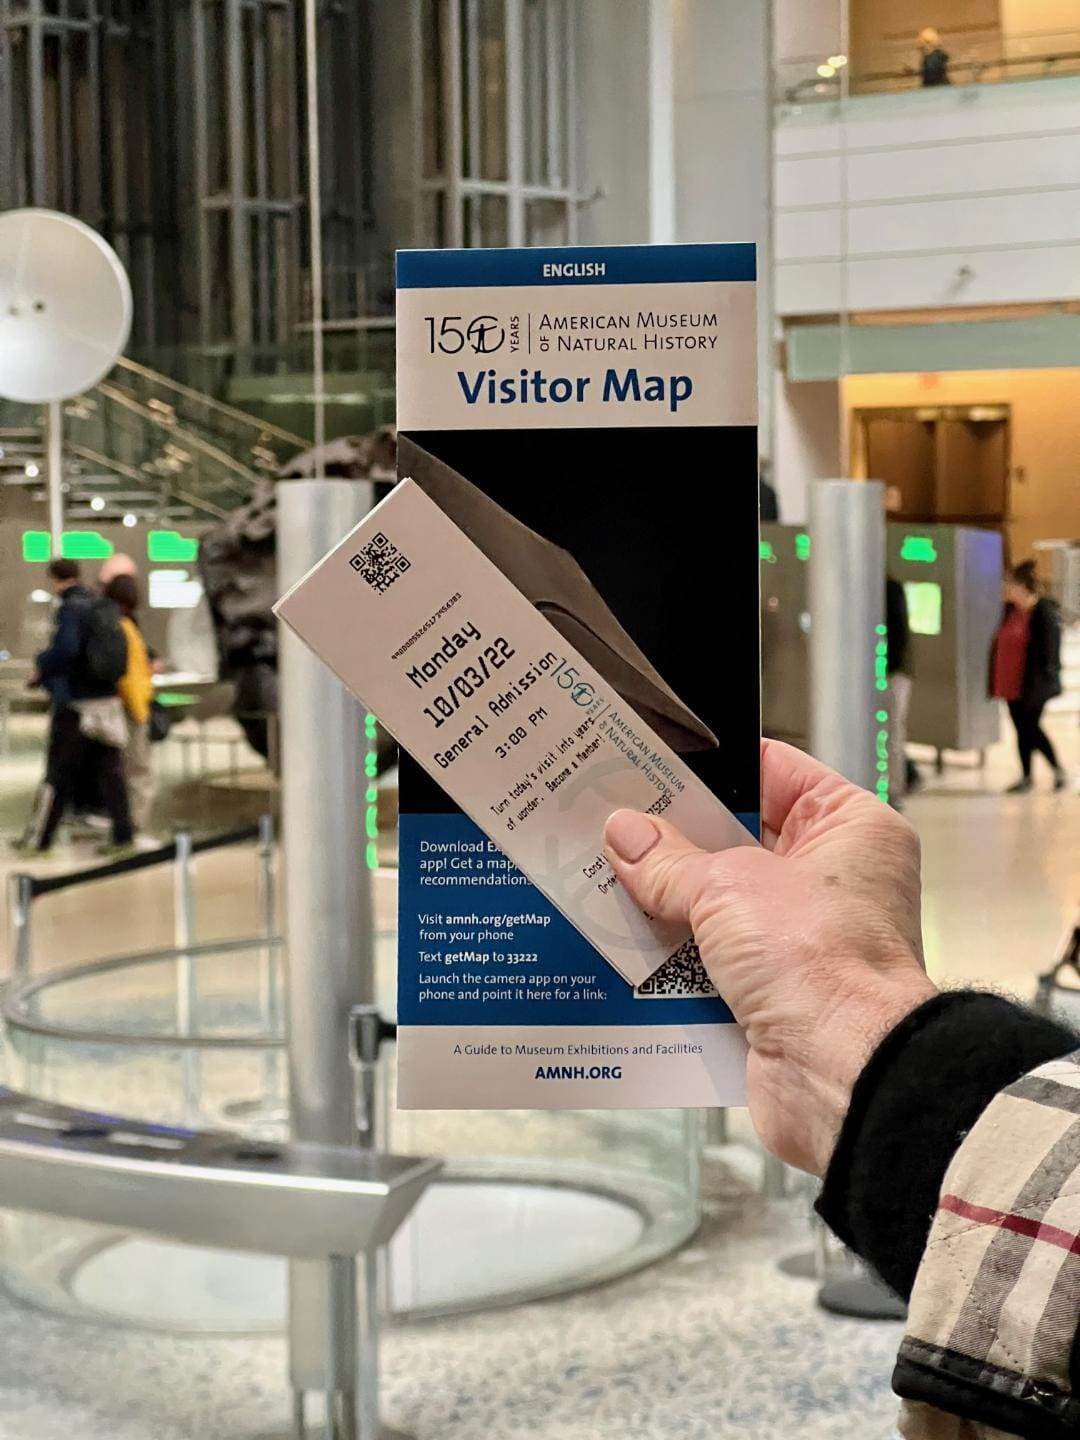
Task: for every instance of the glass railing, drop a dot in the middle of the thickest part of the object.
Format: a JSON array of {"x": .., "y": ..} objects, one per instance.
[
  {"x": 139, "y": 444},
  {"x": 275, "y": 381},
  {"x": 256, "y": 443},
  {"x": 144, "y": 441},
  {"x": 974, "y": 58}
]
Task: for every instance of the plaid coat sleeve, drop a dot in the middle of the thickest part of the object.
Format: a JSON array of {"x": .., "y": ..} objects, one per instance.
[{"x": 992, "y": 1345}]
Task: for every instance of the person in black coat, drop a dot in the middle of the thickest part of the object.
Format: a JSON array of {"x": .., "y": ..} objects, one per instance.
[
  {"x": 72, "y": 756},
  {"x": 1025, "y": 668}
]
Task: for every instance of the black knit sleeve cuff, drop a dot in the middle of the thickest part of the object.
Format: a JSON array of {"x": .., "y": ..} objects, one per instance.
[{"x": 915, "y": 1100}]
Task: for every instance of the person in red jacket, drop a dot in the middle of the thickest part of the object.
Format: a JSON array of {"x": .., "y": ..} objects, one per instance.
[{"x": 1025, "y": 669}]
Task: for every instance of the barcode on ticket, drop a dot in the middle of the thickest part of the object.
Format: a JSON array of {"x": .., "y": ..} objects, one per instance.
[{"x": 681, "y": 977}]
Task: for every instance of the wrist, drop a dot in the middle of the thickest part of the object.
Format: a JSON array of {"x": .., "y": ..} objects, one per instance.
[{"x": 857, "y": 1022}]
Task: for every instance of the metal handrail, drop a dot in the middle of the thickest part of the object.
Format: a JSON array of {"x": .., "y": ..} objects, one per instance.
[
  {"x": 264, "y": 428},
  {"x": 974, "y": 68},
  {"x": 17, "y": 999}
]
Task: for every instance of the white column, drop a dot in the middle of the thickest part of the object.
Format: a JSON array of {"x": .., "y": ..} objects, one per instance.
[
  {"x": 722, "y": 116},
  {"x": 847, "y": 604},
  {"x": 662, "y": 188}
]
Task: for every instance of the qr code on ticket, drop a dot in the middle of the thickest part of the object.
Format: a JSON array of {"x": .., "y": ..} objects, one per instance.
[
  {"x": 681, "y": 977},
  {"x": 379, "y": 563}
]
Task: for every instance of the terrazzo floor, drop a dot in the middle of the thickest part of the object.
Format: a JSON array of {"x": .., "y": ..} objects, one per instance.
[{"x": 713, "y": 1342}]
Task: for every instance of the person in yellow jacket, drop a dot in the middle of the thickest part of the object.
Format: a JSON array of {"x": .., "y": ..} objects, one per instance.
[{"x": 136, "y": 691}]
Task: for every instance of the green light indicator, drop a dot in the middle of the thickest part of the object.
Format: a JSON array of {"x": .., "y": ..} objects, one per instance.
[
  {"x": 74, "y": 545},
  {"x": 371, "y": 771},
  {"x": 918, "y": 549},
  {"x": 881, "y": 630},
  {"x": 85, "y": 545},
  {"x": 36, "y": 546},
  {"x": 165, "y": 546},
  {"x": 766, "y": 552},
  {"x": 882, "y": 684},
  {"x": 802, "y": 546},
  {"x": 883, "y": 766},
  {"x": 882, "y": 716}
]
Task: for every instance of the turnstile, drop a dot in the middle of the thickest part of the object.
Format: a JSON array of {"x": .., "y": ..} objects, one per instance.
[{"x": 952, "y": 583}]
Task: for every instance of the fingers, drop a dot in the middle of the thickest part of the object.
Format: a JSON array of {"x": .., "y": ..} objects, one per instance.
[
  {"x": 787, "y": 776},
  {"x": 658, "y": 866}
]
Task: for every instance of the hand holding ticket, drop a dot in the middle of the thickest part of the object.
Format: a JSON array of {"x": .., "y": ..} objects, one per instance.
[{"x": 535, "y": 743}]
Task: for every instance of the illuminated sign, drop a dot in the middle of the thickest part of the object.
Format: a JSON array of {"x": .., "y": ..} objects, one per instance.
[
  {"x": 173, "y": 590},
  {"x": 766, "y": 552},
  {"x": 923, "y": 606},
  {"x": 74, "y": 545},
  {"x": 918, "y": 549},
  {"x": 802, "y": 546},
  {"x": 170, "y": 547}
]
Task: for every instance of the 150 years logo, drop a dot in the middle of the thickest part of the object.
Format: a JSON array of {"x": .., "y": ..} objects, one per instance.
[{"x": 482, "y": 334}]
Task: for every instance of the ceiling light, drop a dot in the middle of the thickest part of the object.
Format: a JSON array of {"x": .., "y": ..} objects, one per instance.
[
  {"x": 826, "y": 72},
  {"x": 130, "y": 520},
  {"x": 32, "y": 471},
  {"x": 837, "y": 61},
  {"x": 39, "y": 597},
  {"x": 97, "y": 502}
]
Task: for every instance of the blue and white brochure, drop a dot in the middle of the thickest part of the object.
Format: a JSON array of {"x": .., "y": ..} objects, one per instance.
[{"x": 558, "y": 616}]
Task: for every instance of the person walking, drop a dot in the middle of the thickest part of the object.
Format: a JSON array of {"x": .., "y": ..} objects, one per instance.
[
  {"x": 1025, "y": 669},
  {"x": 81, "y": 669},
  {"x": 136, "y": 691}
]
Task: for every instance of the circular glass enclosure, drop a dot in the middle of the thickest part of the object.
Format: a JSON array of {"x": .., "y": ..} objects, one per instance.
[{"x": 531, "y": 1203}]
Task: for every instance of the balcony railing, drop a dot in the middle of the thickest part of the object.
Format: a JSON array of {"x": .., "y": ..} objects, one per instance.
[{"x": 973, "y": 60}]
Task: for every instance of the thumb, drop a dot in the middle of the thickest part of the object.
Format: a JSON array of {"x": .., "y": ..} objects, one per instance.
[{"x": 658, "y": 866}]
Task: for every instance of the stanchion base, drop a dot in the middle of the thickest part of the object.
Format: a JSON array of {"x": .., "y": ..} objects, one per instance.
[
  {"x": 801, "y": 1266},
  {"x": 861, "y": 1297}
]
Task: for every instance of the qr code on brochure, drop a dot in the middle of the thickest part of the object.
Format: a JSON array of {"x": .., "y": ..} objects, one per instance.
[
  {"x": 682, "y": 976},
  {"x": 379, "y": 563}
]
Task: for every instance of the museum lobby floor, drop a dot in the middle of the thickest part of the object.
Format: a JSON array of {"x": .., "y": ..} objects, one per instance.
[{"x": 713, "y": 1341}]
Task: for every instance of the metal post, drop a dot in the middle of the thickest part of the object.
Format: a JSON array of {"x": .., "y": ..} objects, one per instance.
[
  {"x": 849, "y": 706},
  {"x": 847, "y": 603},
  {"x": 366, "y": 1034},
  {"x": 515, "y": 120},
  {"x": 269, "y": 979},
  {"x": 54, "y": 469},
  {"x": 318, "y": 346},
  {"x": 329, "y": 922},
  {"x": 236, "y": 148},
  {"x": 36, "y": 129},
  {"x": 187, "y": 995},
  {"x": 20, "y": 906},
  {"x": 716, "y": 1129}
]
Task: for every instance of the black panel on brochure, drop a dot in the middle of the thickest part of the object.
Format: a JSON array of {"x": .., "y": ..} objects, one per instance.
[{"x": 673, "y": 551}]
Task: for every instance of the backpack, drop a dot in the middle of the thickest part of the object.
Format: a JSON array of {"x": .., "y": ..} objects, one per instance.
[{"x": 104, "y": 653}]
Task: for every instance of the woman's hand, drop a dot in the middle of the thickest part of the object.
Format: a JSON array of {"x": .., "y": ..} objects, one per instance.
[{"x": 814, "y": 941}]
